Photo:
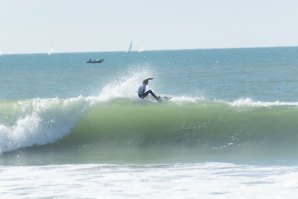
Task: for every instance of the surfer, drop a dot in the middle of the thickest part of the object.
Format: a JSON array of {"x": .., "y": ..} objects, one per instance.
[{"x": 142, "y": 90}]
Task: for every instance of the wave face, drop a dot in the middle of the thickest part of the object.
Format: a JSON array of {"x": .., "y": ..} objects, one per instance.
[
  {"x": 26, "y": 123},
  {"x": 38, "y": 121},
  {"x": 81, "y": 130},
  {"x": 116, "y": 126}
]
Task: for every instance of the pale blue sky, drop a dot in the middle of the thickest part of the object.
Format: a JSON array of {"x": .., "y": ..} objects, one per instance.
[{"x": 28, "y": 26}]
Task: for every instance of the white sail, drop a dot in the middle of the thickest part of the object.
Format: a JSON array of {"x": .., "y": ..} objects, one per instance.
[
  {"x": 130, "y": 47},
  {"x": 51, "y": 51},
  {"x": 141, "y": 49}
]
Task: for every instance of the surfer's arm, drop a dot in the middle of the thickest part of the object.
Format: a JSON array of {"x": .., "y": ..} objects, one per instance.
[{"x": 149, "y": 79}]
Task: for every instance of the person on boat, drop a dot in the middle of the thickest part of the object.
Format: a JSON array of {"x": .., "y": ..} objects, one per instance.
[{"x": 142, "y": 90}]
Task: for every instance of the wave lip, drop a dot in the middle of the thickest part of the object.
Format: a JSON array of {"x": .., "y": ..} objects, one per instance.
[
  {"x": 40, "y": 121},
  {"x": 248, "y": 102},
  {"x": 186, "y": 99}
]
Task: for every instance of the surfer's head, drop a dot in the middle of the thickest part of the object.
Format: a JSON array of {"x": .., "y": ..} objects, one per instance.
[{"x": 145, "y": 81}]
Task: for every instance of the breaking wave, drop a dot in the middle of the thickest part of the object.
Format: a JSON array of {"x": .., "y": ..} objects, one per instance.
[{"x": 115, "y": 118}]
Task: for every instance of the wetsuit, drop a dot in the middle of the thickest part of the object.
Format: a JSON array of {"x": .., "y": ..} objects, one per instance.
[{"x": 143, "y": 93}]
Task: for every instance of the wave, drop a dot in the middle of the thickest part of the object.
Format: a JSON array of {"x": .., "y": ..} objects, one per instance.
[
  {"x": 122, "y": 120},
  {"x": 26, "y": 123},
  {"x": 211, "y": 124},
  {"x": 247, "y": 102},
  {"x": 38, "y": 121},
  {"x": 116, "y": 118}
]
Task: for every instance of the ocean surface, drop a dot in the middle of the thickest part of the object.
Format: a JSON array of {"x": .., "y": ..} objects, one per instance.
[{"x": 69, "y": 129}]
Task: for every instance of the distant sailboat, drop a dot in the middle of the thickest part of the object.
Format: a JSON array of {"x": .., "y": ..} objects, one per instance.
[
  {"x": 141, "y": 49},
  {"x": 130, "y": 47},
  {"x": 51, "y": 51},
  {"x": 0, "y": 53}
]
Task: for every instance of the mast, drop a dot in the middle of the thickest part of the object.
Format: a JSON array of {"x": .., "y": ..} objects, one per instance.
[{"x": 130, "y": 47}]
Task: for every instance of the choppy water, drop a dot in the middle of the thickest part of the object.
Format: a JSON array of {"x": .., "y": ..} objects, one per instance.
[{"x": 230, "y": 108}]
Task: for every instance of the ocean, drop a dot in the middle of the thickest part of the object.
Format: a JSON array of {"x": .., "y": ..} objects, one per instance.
[{"x": 69, "y": 129}]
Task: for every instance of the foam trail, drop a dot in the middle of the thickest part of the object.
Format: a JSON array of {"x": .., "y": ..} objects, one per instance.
[
  {"x": 247, "y": 102},
  {"x": 186, "y": 99}
]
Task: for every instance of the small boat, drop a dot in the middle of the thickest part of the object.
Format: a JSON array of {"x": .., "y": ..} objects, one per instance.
[{"x": 94, "y": 61}]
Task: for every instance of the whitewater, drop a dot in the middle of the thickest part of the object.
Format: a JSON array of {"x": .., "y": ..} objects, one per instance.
[{"x": 231, "y": 121}]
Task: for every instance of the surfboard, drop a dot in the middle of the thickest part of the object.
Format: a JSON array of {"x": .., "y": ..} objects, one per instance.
[{"x": 164, "y": 99}]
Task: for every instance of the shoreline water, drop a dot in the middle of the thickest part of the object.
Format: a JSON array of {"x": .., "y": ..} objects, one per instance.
[{"x": 208, "y": 180}]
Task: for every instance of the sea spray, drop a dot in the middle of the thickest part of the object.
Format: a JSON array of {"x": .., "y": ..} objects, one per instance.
[
  {"x": 123, "y": 87},
  {"x": 41, "y": 121}
]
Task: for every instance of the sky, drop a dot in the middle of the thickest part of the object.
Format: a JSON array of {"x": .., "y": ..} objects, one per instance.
[{"x": 35, "y": 26}]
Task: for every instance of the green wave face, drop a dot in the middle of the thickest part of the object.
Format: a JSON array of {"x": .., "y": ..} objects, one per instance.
[
  {"x": 149, "y": 124},
  {"x": 129, "y": 132}
]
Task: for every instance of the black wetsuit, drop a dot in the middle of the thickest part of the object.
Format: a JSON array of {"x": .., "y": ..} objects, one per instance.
[{"x": 147, "y": 93}]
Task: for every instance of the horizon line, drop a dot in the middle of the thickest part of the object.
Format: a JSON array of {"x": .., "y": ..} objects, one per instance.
[{"x": 118, "y": 51}]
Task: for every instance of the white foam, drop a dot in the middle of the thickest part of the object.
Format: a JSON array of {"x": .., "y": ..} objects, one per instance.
[
  {"x": 247, "y": 102},
  {"x": 189, "y": 180},
  {"x": 186, "y": 99},
  {"x": 43, "y": 121},
  {"x": 126, "y": 87}
]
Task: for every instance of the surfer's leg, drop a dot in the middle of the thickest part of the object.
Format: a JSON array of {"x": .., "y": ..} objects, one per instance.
[{"x": 150, "y": 92}]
